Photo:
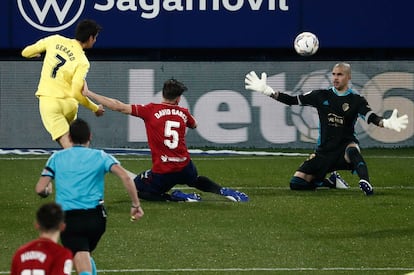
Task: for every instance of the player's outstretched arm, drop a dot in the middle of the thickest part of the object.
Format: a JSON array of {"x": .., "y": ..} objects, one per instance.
[
  {"x": 31, "y": 51},
  {"x": 254, "y": 83},
  {"x": 394, "y": 122},
  {"x": 111, "y": 103}
]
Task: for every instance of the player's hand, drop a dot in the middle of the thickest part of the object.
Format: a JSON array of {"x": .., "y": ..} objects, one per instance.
[
  {"x": 136, "y": 213},
  {"x": 100, "y": 111},
  {"x": 47, "y": 191},
  {"x": 394, "y": 122},
  {"x": 49, "y": 188},
  {"x": 254, "y": 83}
]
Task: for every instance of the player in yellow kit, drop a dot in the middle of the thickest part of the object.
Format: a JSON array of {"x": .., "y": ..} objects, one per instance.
[{"x": 64, "y": 70}]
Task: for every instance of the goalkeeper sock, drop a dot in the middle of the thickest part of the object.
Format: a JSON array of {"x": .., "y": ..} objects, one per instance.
[
  {"x": 358, "y": 162},
  {"x": 325, "y": 183},
  {"x": 297, "y": 183}
]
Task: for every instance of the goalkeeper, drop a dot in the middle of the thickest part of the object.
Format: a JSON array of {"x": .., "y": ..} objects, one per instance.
[{"x": 338, "y": 109}]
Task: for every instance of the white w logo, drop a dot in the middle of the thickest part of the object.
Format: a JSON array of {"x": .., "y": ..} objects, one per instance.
[
  {"x": 43, "y": 12},
  {"x": 60, "y": 14}
]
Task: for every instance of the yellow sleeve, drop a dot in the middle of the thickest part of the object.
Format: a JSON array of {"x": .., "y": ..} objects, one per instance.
[
  {"x": 86, "y": 102},
  {"x": 77, "y": 86},
  {"x": 83, "y": 100},
  {"x": 34, "y": 49}
]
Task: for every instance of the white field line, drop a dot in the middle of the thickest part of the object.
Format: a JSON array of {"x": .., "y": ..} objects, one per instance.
[
  {"x": 198, "y": 158},
  {"x": 264, "y": 269},
  {"x": 402, "y": 187},
  {"x": 237, "y": 158},
  {"x": 261, "y": 269}
]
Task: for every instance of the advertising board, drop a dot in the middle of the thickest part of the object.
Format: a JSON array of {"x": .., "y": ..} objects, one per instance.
[{"x": 212, "y": 23}]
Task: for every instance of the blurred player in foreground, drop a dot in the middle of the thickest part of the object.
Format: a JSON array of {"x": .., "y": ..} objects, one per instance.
[
  {"x": 338, "y": 109},
  {"x": 79, "y": 174},
  {"x": 63, "y": 73},
  {"x": 44, "y": 255},
  {"x": 166, "y": 125}
]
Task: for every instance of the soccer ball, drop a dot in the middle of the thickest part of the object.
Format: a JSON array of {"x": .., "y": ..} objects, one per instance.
[{"x": 306, "y": 43}]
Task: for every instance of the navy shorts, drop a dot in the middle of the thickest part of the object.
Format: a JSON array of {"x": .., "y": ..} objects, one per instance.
[{"x": 161, "y": 183}]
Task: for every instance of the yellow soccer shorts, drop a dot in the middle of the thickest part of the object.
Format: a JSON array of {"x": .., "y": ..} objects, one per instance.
[{"x": 57, "y": 114}]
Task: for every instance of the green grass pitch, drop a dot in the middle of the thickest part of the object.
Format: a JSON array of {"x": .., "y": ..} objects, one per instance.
[{"x": 278, "y": 232}]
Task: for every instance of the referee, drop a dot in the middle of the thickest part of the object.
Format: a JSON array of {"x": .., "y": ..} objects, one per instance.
[{"x": 78, "y": 173}]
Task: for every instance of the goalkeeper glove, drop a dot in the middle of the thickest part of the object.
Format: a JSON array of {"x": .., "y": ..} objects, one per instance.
[
  {"x": 254, "y": 83},
  {"x": 394, "y": 122}
]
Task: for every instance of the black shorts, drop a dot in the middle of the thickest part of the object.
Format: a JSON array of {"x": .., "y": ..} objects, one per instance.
[
  {"x": 321, "y": 163},
  {"x": 84, "y": 229}
]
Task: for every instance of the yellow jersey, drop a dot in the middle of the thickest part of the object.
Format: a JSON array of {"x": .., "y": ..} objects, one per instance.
[{"x": 64, "y": 69}]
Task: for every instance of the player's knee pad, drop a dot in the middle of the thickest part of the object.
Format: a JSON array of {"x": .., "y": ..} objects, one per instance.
[{"x": 297, "y": 183}]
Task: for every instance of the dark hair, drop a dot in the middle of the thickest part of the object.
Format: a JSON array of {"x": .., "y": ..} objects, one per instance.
[
  {"x": 79, "y": 131},
  {"x": 85, "y": 29},
  {"x": 172, "y": 89},
  {"x": 49, "y": 216}
]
